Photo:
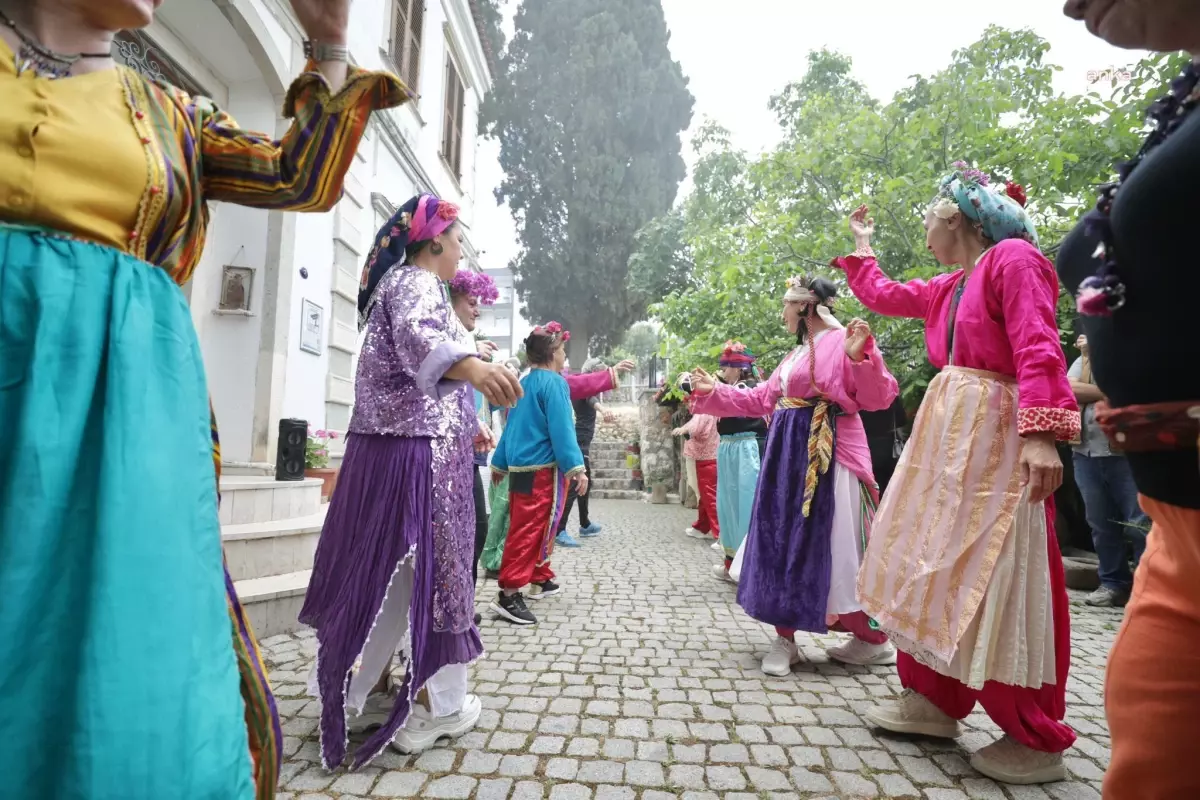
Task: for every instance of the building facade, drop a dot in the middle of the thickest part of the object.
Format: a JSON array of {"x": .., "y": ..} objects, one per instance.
[
  {"x": 499, "y": 321},
  {"x": 274, "y": 299}
]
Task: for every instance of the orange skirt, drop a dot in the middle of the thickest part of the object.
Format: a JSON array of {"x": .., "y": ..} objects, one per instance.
[{"x": 1152, "y": 689}]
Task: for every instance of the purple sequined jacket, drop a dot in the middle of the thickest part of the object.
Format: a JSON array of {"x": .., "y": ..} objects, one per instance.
[{"x": 412, "y": 338}]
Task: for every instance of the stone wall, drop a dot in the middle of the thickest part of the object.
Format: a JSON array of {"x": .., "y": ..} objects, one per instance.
[{"x": 660, "y": 467}]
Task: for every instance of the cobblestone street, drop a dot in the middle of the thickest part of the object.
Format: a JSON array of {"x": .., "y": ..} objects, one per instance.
[{"x": 642, "y": 681}]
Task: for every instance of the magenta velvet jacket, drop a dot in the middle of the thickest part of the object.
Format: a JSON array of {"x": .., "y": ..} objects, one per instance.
[{"x": 1005, "y": 324}]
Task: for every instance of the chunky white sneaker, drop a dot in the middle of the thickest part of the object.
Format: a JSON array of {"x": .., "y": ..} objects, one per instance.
[
  {"x": 720, "y": 573},
  {"x": 697, "y": 534},
  {"x": 856, "y": 651},
  {"x": 422, "y": 730},
  {"x": 716, "y": 546},
  {"x": 1008, "y": 761},
  {"x": 911, "y": 712},
  {"x": 375, "y": 713},
  {"x": 783, "y": 655}
]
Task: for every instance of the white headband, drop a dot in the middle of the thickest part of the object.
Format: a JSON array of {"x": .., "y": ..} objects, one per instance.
[{"x": 799, "y": 293}]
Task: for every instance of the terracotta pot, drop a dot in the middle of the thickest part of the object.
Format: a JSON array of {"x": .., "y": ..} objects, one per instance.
[{"x": 329, "y": 476}]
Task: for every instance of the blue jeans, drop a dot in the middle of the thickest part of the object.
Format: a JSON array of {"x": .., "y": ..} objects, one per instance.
[{"x": 1111, "y": 506}]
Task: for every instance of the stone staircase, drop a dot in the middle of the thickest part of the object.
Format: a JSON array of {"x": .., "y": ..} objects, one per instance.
[
  {"x": 269, "y": 530},
  {"x": 611, "y": 478}
]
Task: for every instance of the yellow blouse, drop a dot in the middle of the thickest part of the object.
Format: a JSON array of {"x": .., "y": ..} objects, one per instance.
[{"x": 70, "y": 157}]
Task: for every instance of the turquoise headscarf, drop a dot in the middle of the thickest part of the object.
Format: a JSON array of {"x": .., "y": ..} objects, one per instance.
[{"x": 1000, "y": 216}]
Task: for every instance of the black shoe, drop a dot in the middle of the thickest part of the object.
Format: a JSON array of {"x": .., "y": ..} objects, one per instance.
[
  {"x": 478, "y": 619},
  {"x": 512, "y": 608},
  {"x": 547, "y": 589}
]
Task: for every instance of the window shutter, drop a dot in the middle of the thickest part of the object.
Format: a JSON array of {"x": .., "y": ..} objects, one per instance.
[
  {"x": 459, "y": 110},
  {"x": 399, "y": 33},
  {"x": 416, "y": 26},
  {"x": 448, "y": 115}
]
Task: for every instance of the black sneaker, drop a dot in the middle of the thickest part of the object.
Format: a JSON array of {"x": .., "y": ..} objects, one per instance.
[
  {"x": 547, "y": 589},
  {"x": 478, "y": 619},
  {"x": 512, "y": 608}
]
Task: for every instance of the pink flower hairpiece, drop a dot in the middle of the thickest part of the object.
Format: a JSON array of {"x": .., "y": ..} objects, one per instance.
[
  {"x": 552, "y": 329},
  {"x": 447, "y": 211},
  {"x": 475, "y": 284}
]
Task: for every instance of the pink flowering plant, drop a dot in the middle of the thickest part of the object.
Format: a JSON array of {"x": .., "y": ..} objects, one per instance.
[
  {"x": 475, "y": 284},
  {"x": 316, "y": 449}
]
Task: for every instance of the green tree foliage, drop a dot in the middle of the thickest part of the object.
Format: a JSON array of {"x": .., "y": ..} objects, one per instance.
[
  {"x": 491, "y": 14},
  {"x": 750, "y": 224},
  {"x": 588, "y": 109}
]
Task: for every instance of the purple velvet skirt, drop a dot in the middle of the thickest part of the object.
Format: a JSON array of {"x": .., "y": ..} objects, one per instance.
[
  {"x": 396, "y": 498},
  {"x": 786, "y": 564}
]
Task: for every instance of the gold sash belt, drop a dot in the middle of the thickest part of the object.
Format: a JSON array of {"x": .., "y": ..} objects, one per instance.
[{"x": 820, "y": 441}]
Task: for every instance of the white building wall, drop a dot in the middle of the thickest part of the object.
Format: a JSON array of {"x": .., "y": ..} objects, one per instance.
[{"x": 244, "y": 53}]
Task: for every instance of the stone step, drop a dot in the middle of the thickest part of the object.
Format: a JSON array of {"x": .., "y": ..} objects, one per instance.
[
  {"x": 613, "y": 483},
  {"x": 609, "y": 447},
  {"x": 258, "y": 498},
  {"x": 621, "y": 474},
  {"x": 615, "y": 494},
  {"x": 607, "y": 462},
  {"x": 262, "y": 549},
  {"x": 274, "y": 603}
]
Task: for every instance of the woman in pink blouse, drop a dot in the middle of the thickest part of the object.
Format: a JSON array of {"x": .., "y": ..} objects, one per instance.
[
  {"x": 962, "y": 569},
  {"x": 701, "y": 447},
  {"x": 812, "y": 510}
]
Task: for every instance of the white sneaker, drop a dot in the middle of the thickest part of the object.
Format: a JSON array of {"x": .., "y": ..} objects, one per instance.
[
  {"x": 375, "y": 713},
  {"x": 783, "y": 655},
  {"x": 720, "y": 573},
  {"x": 1008, "y": 761},
  {"x": 695, "y": 534},
  {"x": 856, "y": 651},
  {"x": 422, "y": 730},
  {"x": 716, "y": 546},
  {"x": 911, "y": 712}
]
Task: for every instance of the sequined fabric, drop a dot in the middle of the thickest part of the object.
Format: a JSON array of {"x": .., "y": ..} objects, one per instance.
[
  {"x": 412, "y": 321},
  {"x": 411, "y": 326}
]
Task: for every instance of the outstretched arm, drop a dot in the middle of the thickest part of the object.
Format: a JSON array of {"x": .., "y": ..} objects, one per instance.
[{"x": 870, "y": 285}]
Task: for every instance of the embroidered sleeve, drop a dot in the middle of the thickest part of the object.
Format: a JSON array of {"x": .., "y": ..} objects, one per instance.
[
  {"x": 304, "y": 170},
  {"x": 1062, "y": 422},
  {"x": 877, "y": 291}
]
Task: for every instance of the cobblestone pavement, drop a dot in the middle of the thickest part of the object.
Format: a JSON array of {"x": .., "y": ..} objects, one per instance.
[{"x": 643, "y": 681}]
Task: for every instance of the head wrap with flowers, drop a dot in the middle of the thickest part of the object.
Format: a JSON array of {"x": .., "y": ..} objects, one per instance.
[
  {"x": 552, "y": 329},
  {"x": 420, "y": 219},
  {"x": 798, "y": 291},
  {"x": 474, "y": 284},
  {"x": 999, "y": 214}
]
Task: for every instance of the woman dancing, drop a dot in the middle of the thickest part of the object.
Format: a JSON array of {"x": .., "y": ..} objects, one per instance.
[
  {"x": 803, "y": 548},
  {"x": 963, "y": 570},
  {"x": 739, "y": 458},
  {"x": 121, "y": 637},
  {"x": 393, "y": 566},
  {"x": 539, "y": 454}
]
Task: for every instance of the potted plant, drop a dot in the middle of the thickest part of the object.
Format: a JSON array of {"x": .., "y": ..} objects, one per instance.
[{"x": 316, "y": 461}]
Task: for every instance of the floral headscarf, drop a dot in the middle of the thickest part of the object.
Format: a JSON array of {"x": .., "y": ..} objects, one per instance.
[
  {"x": 1000, "y": 214},
  {"x": 420, "y": 219},
  {"x": 474, "y": 284}
]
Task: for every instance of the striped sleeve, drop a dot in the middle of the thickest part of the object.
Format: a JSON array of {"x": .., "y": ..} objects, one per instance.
[{"x": 304, "y": 170}]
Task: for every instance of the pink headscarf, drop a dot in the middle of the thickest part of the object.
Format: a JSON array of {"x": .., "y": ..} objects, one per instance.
[{"x": 433, "y": 216}]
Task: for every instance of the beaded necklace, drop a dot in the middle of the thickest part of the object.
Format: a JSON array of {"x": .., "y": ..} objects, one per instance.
[
  {"x": 1103, "y": 293},
  {"x": 32, "y": 56}
]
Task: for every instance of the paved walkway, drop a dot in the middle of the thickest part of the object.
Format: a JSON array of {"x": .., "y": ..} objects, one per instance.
[{"x": 642, "y": 681}]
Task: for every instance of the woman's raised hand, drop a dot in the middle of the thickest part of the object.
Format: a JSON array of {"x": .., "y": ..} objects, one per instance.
[
  {"x": 862, "y": 225},
  {"x": 858, "y": 333},
  {"x": 702, "y": 382}
]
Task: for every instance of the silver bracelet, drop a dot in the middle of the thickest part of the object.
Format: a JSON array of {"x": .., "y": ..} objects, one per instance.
[{"x": 323, "y": 51}]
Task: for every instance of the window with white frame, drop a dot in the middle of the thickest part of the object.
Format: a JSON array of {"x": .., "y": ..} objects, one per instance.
[
  {"x": 408, "y": 21},
  {"x": 452, "y": 126}
]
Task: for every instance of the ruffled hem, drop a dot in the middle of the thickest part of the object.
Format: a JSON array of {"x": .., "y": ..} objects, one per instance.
[
  {"x": 1064, "y": 423},
  {"x": 374, "y": 90}
]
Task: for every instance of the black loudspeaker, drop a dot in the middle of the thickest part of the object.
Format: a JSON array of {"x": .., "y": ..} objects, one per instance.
[{"x": 289, "y": 456}]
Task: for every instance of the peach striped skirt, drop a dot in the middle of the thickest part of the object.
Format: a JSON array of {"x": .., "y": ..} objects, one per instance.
[{"x": 956, "y": 569}]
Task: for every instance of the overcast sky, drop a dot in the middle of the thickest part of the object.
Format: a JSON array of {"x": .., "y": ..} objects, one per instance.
[{"x": 737, "y": 55}]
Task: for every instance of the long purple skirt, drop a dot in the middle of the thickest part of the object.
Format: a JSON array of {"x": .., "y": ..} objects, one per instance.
[
  {"x": 785, "y": 567},
  {"x": 392, "y": 503}
]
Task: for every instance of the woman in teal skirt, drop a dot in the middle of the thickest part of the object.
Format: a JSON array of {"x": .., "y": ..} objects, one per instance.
[
  {"x": 127, "y": 668},
  {"x": 739, "y": 459}
]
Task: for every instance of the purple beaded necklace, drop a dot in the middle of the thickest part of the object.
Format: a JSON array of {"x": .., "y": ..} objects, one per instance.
[{"x": 1103, "y": 293}]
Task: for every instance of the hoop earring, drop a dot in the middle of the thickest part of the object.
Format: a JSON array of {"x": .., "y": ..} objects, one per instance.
[{"x": 436, "y": 248}]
